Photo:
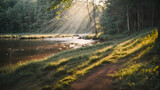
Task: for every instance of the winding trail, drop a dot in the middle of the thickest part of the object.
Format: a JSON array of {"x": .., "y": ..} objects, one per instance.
[{"x": 99, "y": 79}]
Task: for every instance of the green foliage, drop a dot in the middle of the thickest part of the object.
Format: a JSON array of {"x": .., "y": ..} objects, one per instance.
[
  {"x": 63, "y": 4},
  {"x": 25, "y": 15},
  {"x": 140, "y": 76}
]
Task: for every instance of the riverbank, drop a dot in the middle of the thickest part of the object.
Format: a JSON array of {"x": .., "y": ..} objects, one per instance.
[
  {"x": 33, "y": 36},
  {"x": 13, "y": 51},
  {"x": 132, "y": 56}
]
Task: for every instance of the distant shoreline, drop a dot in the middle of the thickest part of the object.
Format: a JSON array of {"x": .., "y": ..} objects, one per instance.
[{"x": 33, "y": 36}]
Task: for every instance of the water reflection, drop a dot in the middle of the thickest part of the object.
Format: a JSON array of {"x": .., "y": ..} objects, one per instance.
[{"x": 13, "y": 51}]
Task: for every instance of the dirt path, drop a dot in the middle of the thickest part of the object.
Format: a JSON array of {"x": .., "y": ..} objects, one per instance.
[{"x": 99, "y": 79}]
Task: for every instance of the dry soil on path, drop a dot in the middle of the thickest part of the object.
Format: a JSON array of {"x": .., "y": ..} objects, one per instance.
[{"x": 100, "y": 79}]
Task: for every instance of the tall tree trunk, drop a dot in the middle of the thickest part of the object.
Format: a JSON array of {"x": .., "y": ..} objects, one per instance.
[
  {"x": 158, "y": 33},
  {"x": 128, "y": 21},
  {"x": 157, "y": 22},
  {"x": 138, "y": 21},
  {"x": 157, "y": 43},
  {"x": 142, "y": 21},
  {"x": 37, "y": 12},
  {"x": 118, "y": 28},
  {"x": 89, "y": 12},
  {"x": 94, "y": 17},
  {"x": 153, "y": 16}
]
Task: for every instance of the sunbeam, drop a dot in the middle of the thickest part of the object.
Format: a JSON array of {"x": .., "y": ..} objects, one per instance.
[{"x": 72, "y": 20}]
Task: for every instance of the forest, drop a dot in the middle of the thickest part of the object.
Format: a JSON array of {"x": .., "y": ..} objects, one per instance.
[
  {"x": 80, "y": 44},
  {"x": 21, "y": 16}
]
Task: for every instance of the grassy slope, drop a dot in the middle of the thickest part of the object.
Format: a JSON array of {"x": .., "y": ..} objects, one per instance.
[
  {"x": 60, "y": 70},
  {"x": 142, "y": 71}
]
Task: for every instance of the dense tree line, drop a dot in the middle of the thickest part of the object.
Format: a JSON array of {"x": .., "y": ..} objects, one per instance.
[
  {"x": 130, "y": 15},
  {"x": 24, "y": 15},
  {"x": 21, "y": 16},
  {"x": 120, "y": 15}
]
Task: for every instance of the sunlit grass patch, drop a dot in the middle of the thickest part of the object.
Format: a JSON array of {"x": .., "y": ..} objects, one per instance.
[
  {"x": 140, "y": 72},
  {"x": 9, "y": 36},
  {"x": 13, "y": 67},
  {"x": 138, "y": 76},
  {"x": 34, "y": 36},
  {"x": 104, "y": 49},
  {"x": 136, "y": 45},
  {"x": 129, "y": 70},
  {"x": 95, "y": 58},
  {"x": 54, "y": 65}
]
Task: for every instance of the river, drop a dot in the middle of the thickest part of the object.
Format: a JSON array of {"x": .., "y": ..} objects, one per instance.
[{"x": 13, "y": 51}]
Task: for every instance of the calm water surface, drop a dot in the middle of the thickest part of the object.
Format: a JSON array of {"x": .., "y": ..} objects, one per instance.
[{"x": 13, "y": 51}]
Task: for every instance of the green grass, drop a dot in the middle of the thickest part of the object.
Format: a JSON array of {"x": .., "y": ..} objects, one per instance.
[
  {"x": 32, "y": 36},
  {"x": 46, "y": 71},
  {"x": 59, "y": 71},
  {"x": 141, "y": 72}
]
